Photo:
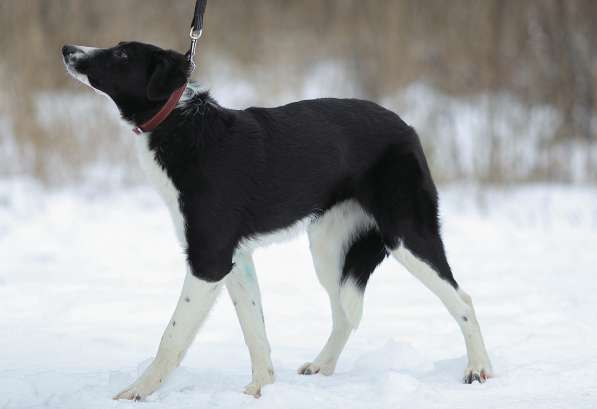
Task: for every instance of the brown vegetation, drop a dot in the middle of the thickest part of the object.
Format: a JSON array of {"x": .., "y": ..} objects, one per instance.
[{"x": 543, "y": 52}]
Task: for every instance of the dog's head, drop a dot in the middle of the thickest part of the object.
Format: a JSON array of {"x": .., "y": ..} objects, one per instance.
[{"x": 136, "y": 76}]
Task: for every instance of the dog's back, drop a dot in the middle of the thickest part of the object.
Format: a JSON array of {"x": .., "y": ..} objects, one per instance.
[{"x": 299, "y": 160}]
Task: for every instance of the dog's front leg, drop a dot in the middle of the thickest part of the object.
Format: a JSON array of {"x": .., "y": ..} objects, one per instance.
[
  {"x": 196, "y": 299},
  {"x": 243, "y": 288}
]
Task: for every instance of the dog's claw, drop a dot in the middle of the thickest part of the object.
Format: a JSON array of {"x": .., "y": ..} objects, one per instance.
[
  {"x": 472, "y": 375},
  {"x": 312, "y": 368},
  {"x": 135, "y": 392},
  {"x": 308, "y": 369}
]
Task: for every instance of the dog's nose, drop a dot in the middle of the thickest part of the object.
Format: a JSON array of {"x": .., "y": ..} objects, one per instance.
[{"x": 68, "y": 50}]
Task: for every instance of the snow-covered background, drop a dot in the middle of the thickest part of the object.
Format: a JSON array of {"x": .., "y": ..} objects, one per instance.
[
  {"x": 501, "y": 94},
  {"x": 85, "y": 295}
]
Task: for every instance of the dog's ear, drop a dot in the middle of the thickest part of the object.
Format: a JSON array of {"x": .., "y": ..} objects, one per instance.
[{"x": 169, "y": 72}]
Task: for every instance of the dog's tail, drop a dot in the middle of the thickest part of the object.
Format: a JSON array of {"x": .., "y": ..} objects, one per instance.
[{"x": 363, "y": 256}]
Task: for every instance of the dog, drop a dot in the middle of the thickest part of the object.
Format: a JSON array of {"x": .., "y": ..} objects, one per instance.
[{"x": 349, "y": 171}]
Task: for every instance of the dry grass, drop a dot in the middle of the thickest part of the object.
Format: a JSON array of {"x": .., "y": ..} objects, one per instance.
[{"x": 543, "y": 52}]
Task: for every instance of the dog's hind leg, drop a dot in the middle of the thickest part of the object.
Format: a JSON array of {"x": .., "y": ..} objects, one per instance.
[
  {"x": 327, "y": 261},
  {"x": 333, "y": 237},
  {"x": 196, "y": 299},
  {"x": 404, "y": 202},
  {"x": 243, "y": 288},
  {"x": 459, "y": 304}
]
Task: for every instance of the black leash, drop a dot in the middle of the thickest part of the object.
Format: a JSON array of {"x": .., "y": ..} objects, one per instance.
[
  {"x": 170, "y": 105},
  {"x": 196, "y": 31}
]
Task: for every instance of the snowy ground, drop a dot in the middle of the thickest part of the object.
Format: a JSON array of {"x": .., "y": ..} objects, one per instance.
[{"x": 84, "y": 297}]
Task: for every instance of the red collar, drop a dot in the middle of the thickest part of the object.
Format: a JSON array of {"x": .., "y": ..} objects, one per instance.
[{"x": 162, "y": 114}]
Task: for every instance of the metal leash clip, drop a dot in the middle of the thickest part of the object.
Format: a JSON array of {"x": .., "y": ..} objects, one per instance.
[{"x": 195, "y": 36}]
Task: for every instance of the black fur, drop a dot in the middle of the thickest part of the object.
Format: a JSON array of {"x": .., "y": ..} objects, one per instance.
[
  {"x": 367, "y": 251},
  {"x": 241, "y": 173}
]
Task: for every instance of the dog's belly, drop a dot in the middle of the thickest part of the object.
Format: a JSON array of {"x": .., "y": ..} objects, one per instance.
[
  {"x": 162, "y": 184},
  {"x": 248, "y": 244}
]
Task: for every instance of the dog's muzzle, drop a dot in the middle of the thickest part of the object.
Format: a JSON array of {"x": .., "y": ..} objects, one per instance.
[
  {"x": 68, "y": 51},
  {"x": 74, "y": 53}
]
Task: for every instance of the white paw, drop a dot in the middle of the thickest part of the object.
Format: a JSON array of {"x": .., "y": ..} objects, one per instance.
[
  {"x": 139, "y": 390},
  {"x": 131, "y": 393},
  {"x": 478, "y": 373},
  {"x": 260, "y": 379},
  {"x": 253, "y": 389},
  {"x": 312, "y": 368}
]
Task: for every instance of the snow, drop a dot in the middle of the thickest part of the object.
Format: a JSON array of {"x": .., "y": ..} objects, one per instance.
[
  {"x": 493, "y": 134},
  {"x": 88, "y": 280}
]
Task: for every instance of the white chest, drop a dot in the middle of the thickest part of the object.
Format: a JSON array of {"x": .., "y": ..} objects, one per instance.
[{"x": 162, "y": 184}]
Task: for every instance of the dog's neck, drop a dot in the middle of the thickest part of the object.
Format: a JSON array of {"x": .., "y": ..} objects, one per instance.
[{"x": 137, "y": 113}]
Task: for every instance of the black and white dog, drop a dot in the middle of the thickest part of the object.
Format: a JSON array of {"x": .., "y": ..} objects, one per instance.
[{"x": 351, "y": 172}]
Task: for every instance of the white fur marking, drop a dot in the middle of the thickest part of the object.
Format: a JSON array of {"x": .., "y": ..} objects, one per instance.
[
  {"x": 336, "y": 231},
  {"x": 458, "y": 303},
  {"x": 243, "y": 288},
  {"x": 195, "y": 301},
  {"x": 86, "y": 50},
  {"x": 351, "y": 298},
  {"x": 162, "y": 184},
  {"x": 431, "y": 279},
  {"x": 330, "y": 237},
  {"x": 82, "y": 52},
  {"x": 178, "y": 336}
]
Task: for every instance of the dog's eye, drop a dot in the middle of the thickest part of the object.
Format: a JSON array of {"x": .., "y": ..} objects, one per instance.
[{"x": 120, "y": 54}]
